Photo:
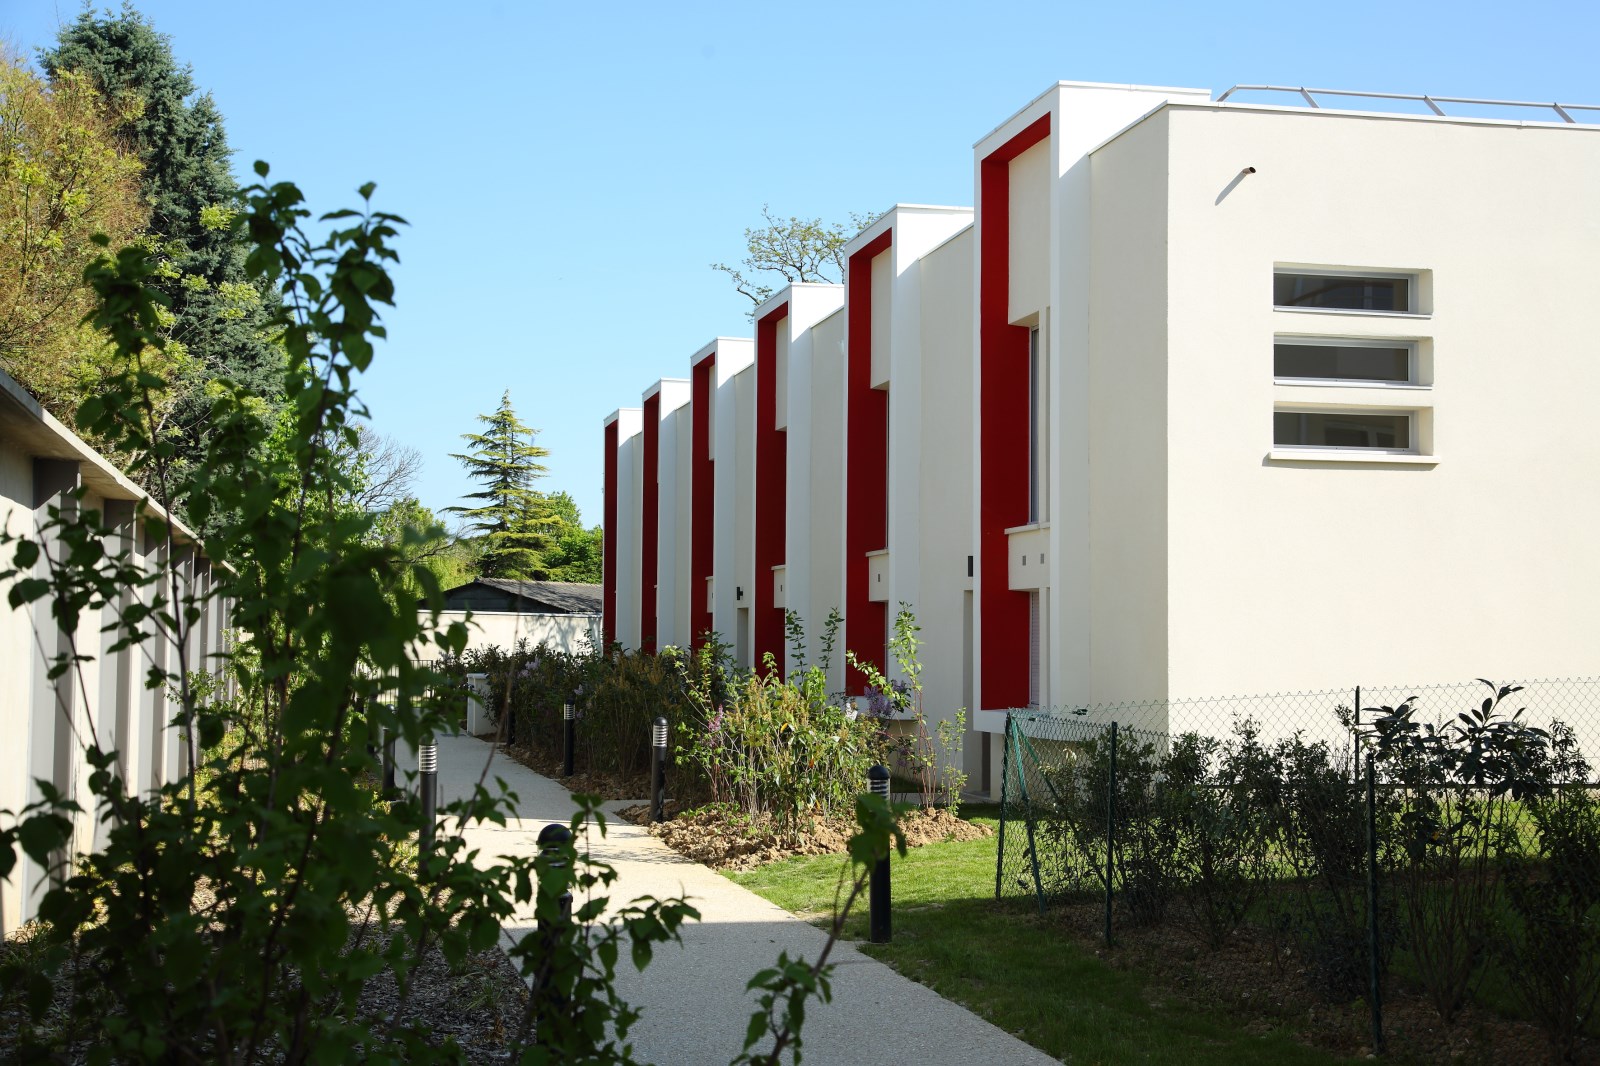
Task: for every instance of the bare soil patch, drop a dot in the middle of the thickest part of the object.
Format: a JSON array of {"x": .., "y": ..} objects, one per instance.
[
  {"x": 727, "y": 839},
  {"x": 1267, "y": 986}
]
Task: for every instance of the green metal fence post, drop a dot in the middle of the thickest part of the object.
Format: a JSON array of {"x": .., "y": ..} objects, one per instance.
[
  {"x": 1375, "y": 991},
  {"x": 1005, "y": 786},
  {"x": 1111, "y": 828}
]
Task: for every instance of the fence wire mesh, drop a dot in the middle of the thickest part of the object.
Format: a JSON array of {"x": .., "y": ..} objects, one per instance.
[{"x": 1457, "y": 826}]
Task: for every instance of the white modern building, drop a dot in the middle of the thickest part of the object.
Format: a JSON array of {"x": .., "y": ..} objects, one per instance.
[
  {"x": 46, "y": 724},
  {"x": 1274, "y": 391}
]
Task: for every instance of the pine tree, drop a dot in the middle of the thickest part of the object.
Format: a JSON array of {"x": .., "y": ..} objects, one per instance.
[{"x": 512, "y": 519}]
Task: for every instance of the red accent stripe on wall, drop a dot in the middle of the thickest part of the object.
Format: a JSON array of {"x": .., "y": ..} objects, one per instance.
[
  {"x": 608, "y": 592},
  {"x": 866, "y": 464},
  {"x": 1002, "y": 431},
  {"x": 702, "y": 512},
  {"x": 772, "y": 474},
  {"x": 650, "y": 525}
]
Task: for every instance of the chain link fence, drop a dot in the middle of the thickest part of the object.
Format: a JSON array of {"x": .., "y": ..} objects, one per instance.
[{"x": 1454, "y": 826}]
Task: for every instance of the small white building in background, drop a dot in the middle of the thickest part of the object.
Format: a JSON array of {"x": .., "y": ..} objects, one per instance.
[
  {"x": 45, "y": 723},
  {"x": 499, "y": 612},
  {"x": 1218, "y": 396}
]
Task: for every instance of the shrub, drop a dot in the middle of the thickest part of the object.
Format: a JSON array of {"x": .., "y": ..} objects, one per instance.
[
  {"x": 1319, "y": 835},
  {"x": 1457, "y": 828},
  {"x": 783, "y": 750},
  {"x": 1220, "y": 796},
  {"x": 1551, "y": 944}
]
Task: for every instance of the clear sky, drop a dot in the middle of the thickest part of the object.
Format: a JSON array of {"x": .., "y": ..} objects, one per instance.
[{"x": 571, "y": 169}]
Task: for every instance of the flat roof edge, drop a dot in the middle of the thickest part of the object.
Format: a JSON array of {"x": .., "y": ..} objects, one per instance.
[{"x": 1058, "y": 86}]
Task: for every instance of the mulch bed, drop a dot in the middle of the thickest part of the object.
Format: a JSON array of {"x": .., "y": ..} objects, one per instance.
[
  {"x": 727, "y": 839},
  {"x": 605, "y": 785},
  {"x": 480, "y": 1007},
  {"x": 1267, "y": 987}
]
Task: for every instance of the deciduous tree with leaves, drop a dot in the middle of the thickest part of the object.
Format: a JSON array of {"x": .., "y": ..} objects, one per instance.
[
  {"x": 789, "y": 250},
  {"x": 62, "y": 180}
]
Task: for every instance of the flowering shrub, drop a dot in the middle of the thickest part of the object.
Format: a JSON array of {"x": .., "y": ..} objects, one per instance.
[{"x": 914, "y": 750}]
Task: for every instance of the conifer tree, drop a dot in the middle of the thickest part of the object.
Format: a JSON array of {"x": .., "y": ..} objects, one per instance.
[{"x": 511, "y": 518}]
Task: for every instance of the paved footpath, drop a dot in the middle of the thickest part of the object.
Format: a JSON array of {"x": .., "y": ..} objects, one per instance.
[{"x": 692, "y": 998}]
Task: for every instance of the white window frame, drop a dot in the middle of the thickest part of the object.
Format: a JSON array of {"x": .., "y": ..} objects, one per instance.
[
  {"x": 1413, "y": 290},
  {"x": 1413, "y": 360},
  {"x": 1410, "y": 414}
]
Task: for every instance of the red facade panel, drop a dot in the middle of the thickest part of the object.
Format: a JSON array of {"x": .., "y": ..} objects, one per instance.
[
  {"x": 772, "y": 472},
  {"x": 608, "y": 578},
  {"x": 1002, "y": 432},
  {"x": 650, "y": 524},
  {"x": 866, "y": 516},
  {"x": 702, "y": 507}
]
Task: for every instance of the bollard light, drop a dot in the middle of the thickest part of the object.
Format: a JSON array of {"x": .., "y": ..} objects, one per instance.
[
  {"x": 569, "y": 733},
  {"x": 428, "y": 773},
  {"x": 878, "y": 886},
  {"x": 548, "y": 1003},
  {"x": 388, "y": 765},
  {"x": 658, "y": 769},
  {"x": 552, "y": 839}
]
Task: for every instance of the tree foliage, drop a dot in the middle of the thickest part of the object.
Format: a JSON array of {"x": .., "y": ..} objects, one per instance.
[
  {"x": 62, "y": 180},
  {"x": 215, "y": 317},
  {"x": 236, "y": 914},
  {"x": 574, "y": 553},
  {"x": 789, "y": 250}
]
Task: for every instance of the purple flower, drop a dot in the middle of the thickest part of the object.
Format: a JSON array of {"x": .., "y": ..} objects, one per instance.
[{"x": 883, "y": 703}]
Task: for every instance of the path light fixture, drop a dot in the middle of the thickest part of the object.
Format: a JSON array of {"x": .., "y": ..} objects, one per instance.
[
  {"x": 878, "y": 888},
  {"x": 658, "y": 770},
  {"x": 428, "y": 783},
  {"x": 569, "y": 729}
]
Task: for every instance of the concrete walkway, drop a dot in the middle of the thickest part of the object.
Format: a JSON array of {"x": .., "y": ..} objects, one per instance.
[{"x": 692, "y": 998}]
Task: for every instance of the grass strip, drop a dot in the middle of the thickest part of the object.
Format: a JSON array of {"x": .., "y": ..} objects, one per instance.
[{"x": 1000, "y": 961}]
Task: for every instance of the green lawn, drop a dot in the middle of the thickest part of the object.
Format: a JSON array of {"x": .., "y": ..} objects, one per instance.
[{"x": 998, "y": 960}]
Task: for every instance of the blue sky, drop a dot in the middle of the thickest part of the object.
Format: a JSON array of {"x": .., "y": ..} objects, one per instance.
[{"x": 571, "y": 169}]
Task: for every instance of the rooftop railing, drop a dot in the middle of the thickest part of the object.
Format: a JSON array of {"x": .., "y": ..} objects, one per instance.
[{"x": 1563, "y": 111}]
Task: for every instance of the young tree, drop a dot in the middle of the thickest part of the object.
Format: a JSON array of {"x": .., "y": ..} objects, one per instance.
[
  {"x": 792, "y": 249},
  {"x": 504, "y": 459}
]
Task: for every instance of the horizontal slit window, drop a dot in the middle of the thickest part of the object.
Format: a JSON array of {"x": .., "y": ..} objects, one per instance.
[
  {"x": 1342, "y": 292},
  {"x": 1342, "y": 362},
  {"x": 1341, "y": 429}
]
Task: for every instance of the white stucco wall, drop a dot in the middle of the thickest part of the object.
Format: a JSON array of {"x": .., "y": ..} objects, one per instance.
[
  {"x": 943, "y": 474},
  {"x": 672, "y": 497},
  {"x": 630, "y": 445},
  {"x": 824, "y": 575},
  {"x": 809, "y": 304},
  {"x": 1337, "y": 574},
  {"x": 502, "y": 629},
  {"x": 684, "y": 594},
  {"x": 802, "y": 499},
  {"x": 733, "y": 438},
  {"x": 46, "y": 725},
  {"x": 1127, "y": 375}
]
